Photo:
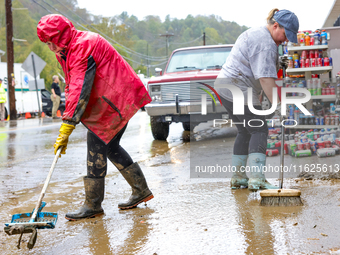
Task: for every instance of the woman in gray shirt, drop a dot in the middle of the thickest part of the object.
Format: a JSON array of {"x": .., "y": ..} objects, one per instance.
[{"x": 253, "y": 63}]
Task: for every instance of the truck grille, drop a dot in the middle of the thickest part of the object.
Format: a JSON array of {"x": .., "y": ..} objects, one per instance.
[{"x": 187, "y": 91}]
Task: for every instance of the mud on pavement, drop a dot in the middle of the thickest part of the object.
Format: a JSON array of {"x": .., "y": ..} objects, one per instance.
[{"x": 187, "y": 215}]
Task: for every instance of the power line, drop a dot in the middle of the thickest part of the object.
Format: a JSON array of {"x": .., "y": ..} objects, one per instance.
[
  {"x": 42, "y": 6},
  {"x": 189, "y": 41},
  {"x": 127, "y": 49}
]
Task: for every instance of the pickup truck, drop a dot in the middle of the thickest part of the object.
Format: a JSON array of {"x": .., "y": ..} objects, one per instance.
[{"x": 186, "y": 85}]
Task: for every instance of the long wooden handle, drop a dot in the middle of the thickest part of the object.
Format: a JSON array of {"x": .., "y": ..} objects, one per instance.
[
  {"x": 282, "y": 153},
  {"x": 42, "y": 194},
  {"x": 282, "y": 137}
]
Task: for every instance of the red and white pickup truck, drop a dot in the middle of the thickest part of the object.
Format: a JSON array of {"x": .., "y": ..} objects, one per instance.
[{"x": 177, "y": 94}]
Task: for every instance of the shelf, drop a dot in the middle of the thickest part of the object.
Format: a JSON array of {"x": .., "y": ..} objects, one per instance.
[
  {"x": 324, "y": 98},
  {"x": 315, "y": 70},
  {"x": 313, "y": 126},
  {"x": 313, "y": 47}
]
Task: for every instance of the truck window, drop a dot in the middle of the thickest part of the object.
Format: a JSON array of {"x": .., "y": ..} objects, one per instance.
[{"x": 198, "y": 59}]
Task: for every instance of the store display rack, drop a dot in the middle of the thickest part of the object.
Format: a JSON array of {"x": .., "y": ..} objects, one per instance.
[{"x": 308, "y": 71}]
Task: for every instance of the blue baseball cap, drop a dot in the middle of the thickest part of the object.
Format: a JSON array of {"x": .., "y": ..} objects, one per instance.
[{"x": 290, "y": 22}]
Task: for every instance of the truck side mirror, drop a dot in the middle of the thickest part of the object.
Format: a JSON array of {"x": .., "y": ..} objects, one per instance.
[{"x": 158, "y": 71}]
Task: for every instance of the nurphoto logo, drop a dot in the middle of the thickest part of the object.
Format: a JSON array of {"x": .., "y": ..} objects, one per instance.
[{"x": 238, "y": 100}]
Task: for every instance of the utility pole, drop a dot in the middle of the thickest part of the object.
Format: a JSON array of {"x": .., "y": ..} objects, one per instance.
[
  {"x": 166, "y": 35},
  {"x": 10, "y": 60},
  {"x": 203, "y": 38}
]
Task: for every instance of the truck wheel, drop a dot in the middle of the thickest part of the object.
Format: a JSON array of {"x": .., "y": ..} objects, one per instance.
[
  {"x": 188, "y": 126},
  {"x": 160, "y": 130}
]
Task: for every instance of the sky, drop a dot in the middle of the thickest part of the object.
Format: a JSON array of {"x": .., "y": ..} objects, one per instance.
[{"x": 251, "y": 13}]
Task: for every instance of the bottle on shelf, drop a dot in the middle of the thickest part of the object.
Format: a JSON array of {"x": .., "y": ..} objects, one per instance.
[
  {"x": 301, "y": 86},
  {"x": 290, "y": 62},
  {"x": 323, "y": 37},
  {"x": 316, "y": 37},
  {"x": 296, "y": 56},
  {"x": 302, "y": 39},
  {"x": 298, "y": 37},
  {"x": 332, "y": 108},
  {"x": 301, "y": 119},
  {"x": 309, "y": 86},
  {"x": 291, "y": 110},
  {"x": 313, "y": 87},
  {"x": 312, "y": 39},
  {"x": 310, "y": 134},
  {"x": 318, "y": 87},
  {"x": 307, "y": 39},
  {"x": 296, "y": 114},
  {"x": 311, "y": 120}
]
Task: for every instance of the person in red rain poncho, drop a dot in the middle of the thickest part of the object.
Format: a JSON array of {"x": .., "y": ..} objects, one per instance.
[{"x": 103, "y": 92}]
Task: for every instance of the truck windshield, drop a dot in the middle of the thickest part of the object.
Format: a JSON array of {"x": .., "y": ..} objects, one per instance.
[{"x": 198, "y": 59}]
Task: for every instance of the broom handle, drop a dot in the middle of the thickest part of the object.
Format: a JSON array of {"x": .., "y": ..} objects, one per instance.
[
  {"x": 42, "y": 194},
  {"x": 282, "y": 136},
  {"x": 282, "y": 153}
]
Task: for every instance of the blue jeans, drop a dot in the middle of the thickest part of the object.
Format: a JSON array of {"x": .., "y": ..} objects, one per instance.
[{"x": 249, "y": 139}]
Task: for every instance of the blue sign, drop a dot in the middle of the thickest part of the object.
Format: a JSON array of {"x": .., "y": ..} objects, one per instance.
[{"x": 26, "y": 80}]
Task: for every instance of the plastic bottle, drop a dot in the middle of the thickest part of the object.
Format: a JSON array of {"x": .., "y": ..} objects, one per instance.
[
  {"x": 333, "y": 135},
  {"x": 318, "y": 87},
  {"x": 290, "y": 62},
  {"x": 301, "y": 119},
  {"x": 297, "y": 114},
  {"x": 324, "y": 37},
  {"x": 295, "y": 56},
  {"x": 322, "y": 133},
  {"x": 307, "y": 39},
  {"x": 311, "y": 118},
  {"x": 302, "y": 39},
  {"x": 332, "y": 108},
  {"x": 298, "y": 37},
  {"x": 309, "y": 85},
  {"x": 313, "y": 90},
  {"x": 291, "y": 111},
  {"x": 316, "y": 37}
]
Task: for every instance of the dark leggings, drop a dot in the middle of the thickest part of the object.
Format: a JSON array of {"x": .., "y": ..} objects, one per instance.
[
  {"x": 98, "y": 152},
  {"x": 248, "y": 139}
]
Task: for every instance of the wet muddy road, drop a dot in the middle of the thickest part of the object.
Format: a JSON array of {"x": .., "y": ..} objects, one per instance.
[{"x": 187, "y": 215}]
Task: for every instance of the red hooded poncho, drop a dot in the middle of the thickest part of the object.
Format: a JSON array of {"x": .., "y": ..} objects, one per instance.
[{"x": 102, "y": 90}]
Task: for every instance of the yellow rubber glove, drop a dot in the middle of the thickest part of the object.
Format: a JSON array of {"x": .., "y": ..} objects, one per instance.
[{"x": 62, "y": 140}]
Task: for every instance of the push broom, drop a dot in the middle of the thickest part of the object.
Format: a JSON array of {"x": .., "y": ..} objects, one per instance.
[
  {"x": 29, "y": 222},
  {"x": 281, "y": 197}
]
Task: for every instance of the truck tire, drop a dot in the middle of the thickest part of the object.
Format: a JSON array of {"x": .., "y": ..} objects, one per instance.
[
  {"x": 189, "y": 126},
  {"x": 160, "y": 130}
]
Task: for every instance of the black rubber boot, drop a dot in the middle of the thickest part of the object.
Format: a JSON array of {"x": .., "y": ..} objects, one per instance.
[
  {"x": 94, "y": 196},
  {"x": 140, "y": 191}
]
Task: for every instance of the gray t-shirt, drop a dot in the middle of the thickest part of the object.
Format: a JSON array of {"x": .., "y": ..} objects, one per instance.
[{"x": 254, "y": 55}]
